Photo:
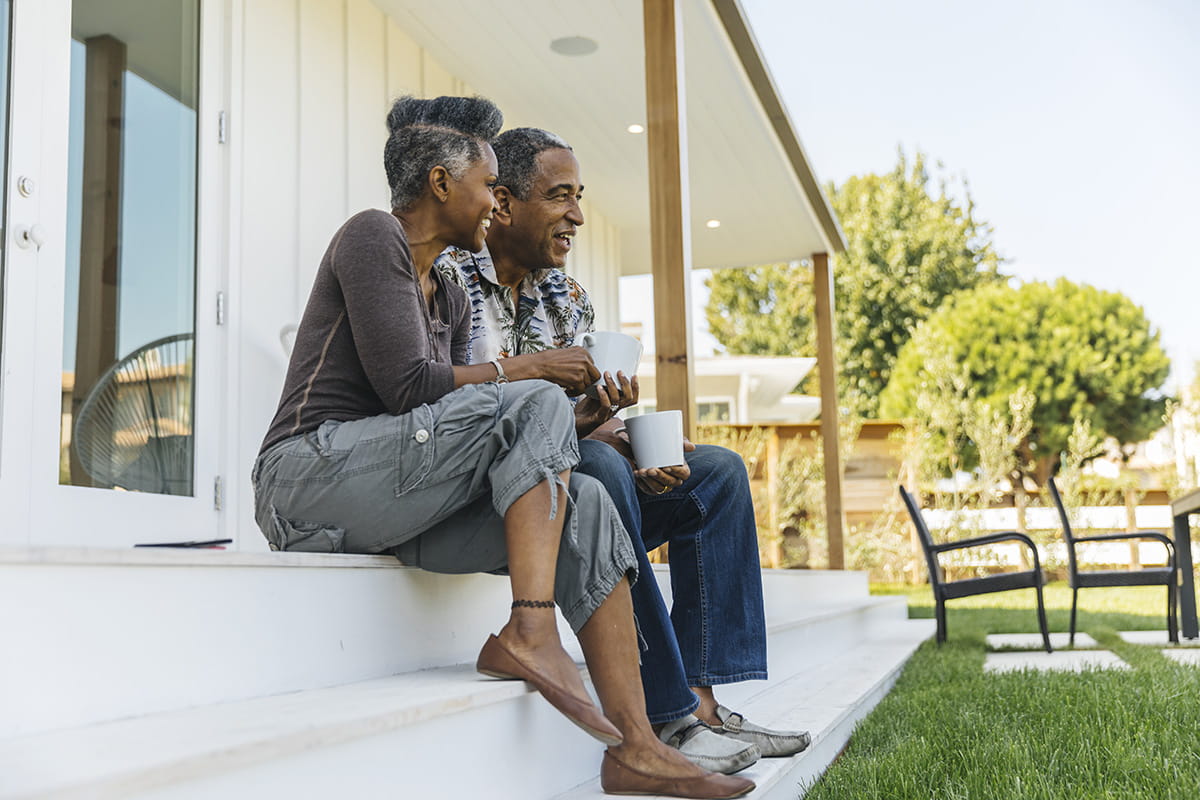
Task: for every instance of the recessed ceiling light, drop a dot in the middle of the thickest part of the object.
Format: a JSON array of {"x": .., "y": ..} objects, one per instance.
[
  {"x": 713, "y": 223},
  {"x": 635, "y": 128},
  {"x": 574, "y": 46}
]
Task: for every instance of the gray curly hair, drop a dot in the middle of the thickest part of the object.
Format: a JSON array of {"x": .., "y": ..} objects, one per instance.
[
  {"x": 516, "y": 153},
  {"x": 423, "y": 134}
]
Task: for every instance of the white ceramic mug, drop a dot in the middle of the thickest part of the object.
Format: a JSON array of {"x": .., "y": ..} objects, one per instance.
[
  {"x": 657, "y": 439},
  {"x": 612, "y": 352}
]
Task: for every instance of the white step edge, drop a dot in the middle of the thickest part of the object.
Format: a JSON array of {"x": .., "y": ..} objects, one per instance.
[
  {"x": 829, "y": 611},
  {"x": 114, "y": 759},
  {"x": 184, "y": 557},
  {"x": 165, "y": 629},
  {"x": 828, "y": 701},
  {"x": 815, "y": 635},
  {"x": 120, "y": 758}
]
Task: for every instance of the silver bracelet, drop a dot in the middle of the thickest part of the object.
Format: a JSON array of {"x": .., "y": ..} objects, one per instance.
[{"x": 500, "y": 376}]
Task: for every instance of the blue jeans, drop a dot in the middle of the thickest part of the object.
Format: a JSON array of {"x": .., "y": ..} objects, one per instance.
[{"x": 716, "y": 630}]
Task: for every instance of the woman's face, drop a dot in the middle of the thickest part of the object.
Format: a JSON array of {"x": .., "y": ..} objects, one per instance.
[{"x": 471, "y": 203}]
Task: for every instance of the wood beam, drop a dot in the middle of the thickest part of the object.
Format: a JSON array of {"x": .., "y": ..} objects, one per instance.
[
  {"x": 775, "y": 543},
  {"x": 670, "y": 212},
  {"x": 835, "y": 514},
  {"x": 99, "y": 256}
]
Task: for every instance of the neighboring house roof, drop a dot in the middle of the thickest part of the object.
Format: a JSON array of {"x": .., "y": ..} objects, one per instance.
[
  {"x": 760, "y": 387},
  {"x": 747, "y": 166}
]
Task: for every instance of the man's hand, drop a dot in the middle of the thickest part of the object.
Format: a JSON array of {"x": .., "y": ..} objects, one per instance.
[
  {"x": 613, "y": 434},
  {"x": 612, "y": 395},
  {"x": 569, "y": 367},
  {"x": 660, "y": 480}
]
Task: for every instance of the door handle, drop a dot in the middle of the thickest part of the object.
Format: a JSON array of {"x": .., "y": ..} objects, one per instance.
[
  {"x": 28, "y": 236},
  {"x": 287, "y": 338}
]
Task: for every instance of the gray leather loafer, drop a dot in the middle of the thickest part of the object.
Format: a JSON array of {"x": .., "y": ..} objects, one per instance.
[
  {"x": 770, "y": 743},
  {"x": 704, "y": 747}
]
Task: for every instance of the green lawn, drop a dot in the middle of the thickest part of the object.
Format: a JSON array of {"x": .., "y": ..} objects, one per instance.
[{"x": 948, "y": 731}]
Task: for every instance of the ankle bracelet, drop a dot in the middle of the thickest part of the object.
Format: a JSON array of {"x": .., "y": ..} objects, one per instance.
[{"x": 533, "y": 604}]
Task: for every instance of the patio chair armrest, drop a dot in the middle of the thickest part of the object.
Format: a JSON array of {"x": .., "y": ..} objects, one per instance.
[
  {"x": 993, "y": 538},
  {"x": 1116, "y": 537}
]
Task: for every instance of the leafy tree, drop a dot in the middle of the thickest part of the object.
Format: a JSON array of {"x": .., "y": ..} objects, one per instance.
[
  {"x": 1084, "y": 353},
  {"x": 907, "y": 250},
  {"x": 763, "y": 310}
]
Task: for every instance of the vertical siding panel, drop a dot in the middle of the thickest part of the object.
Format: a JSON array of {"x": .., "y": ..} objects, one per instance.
[
  {"x": 366, "y": 88},
  {"x": 271, "y": 103},
  {"x": 435, "y": 78},
  {"x": 595, "y": 265},
  {"x": 322, "y": 132},
  {"x": 576, "y": 265},
  {"x": 265, "y": 291},
  {"x": 614, "y": 272},
  {"x": 403, "y": 63},
  {"x": 610, "y": 314},
  {"x": 589, "y": 254},
  {"x": 593, "y": 233}
]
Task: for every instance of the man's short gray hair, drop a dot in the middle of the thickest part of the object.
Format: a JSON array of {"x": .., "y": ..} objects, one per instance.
[
  {"x": 423, "y": 134},
  {"x": 516, "y": 153}
]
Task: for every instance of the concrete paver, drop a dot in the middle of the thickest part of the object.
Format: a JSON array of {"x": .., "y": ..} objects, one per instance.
[
  {"x": 1189, "y": 657},
  {"x": 1155, "y": 638},
  {"x": 1033, "y": 641},
  {"x": 1059, "y": 660}
]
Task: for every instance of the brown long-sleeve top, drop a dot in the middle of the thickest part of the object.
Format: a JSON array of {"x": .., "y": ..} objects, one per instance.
[{"x": 367, "y": 343}]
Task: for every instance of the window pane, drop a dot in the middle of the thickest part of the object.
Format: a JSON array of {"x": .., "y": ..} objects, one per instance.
[{"x": 128, "y": 352}]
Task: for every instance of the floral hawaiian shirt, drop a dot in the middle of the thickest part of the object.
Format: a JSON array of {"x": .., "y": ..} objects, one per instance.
[{"x": 553, "y": 310}]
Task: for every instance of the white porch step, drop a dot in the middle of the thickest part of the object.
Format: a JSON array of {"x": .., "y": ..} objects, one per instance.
[
  {"x": 109, "y": 634},
  {"x": 405, "y": 733},
  {"x": 815, "y": 635},
  {"x": 828, "y": 701},
  {"x": 408, "y": 735}
]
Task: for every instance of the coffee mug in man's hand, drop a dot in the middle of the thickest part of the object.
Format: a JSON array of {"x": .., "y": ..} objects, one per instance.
[
  {"x": 612, "y": 352},
  {"x": 656, "y": 439}
]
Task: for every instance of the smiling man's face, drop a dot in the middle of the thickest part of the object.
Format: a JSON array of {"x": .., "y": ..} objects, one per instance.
[{"x": 543, "y": 225}]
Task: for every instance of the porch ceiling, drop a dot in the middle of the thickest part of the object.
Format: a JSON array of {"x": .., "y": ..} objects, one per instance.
[{"x": 740, "y": 172}]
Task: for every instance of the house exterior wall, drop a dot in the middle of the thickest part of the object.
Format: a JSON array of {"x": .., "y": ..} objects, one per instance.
[{"x": 311, "y": 83}]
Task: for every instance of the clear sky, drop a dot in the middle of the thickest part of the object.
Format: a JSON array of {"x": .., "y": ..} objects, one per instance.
[{"x": 1076, "y": 123}]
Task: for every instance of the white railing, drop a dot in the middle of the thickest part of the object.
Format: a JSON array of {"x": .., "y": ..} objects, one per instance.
[{"x": 1091, "y": 520}]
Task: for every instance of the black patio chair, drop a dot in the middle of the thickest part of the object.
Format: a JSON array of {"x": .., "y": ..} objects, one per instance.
[
  {"x": 944, "y": 590},
  {"x": 1148, "y": 576}
]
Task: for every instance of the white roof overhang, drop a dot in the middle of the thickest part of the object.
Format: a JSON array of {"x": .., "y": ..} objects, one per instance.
[{"x": 747, "y": 167}]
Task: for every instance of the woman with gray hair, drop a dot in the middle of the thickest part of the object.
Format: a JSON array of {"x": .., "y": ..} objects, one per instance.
[{"x": 387, "y": 441}]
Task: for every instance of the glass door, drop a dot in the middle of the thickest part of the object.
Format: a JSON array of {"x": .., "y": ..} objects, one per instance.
[
  {"x": 18, "y": 261},
  {"x": 119, "y": 401}
]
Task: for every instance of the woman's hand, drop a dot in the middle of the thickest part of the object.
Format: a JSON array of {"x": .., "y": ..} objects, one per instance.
[
  {"x": 612, "y": 395},
  {"x": 569, "y": 367}
]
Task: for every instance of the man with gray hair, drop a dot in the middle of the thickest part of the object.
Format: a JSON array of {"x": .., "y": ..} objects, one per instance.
[{"x": 522, "y": 302}]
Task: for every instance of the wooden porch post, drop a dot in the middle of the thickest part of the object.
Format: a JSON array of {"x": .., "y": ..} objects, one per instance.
[
  {"x": 775, "y": 547},
  {"x": 670, "y": 213},
  {"x": 835, "y": 514}
]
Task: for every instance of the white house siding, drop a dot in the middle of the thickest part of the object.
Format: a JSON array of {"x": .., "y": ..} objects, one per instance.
[
  {"x": 312, "y": 80},
  {"x": 596, "y": 263}
]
